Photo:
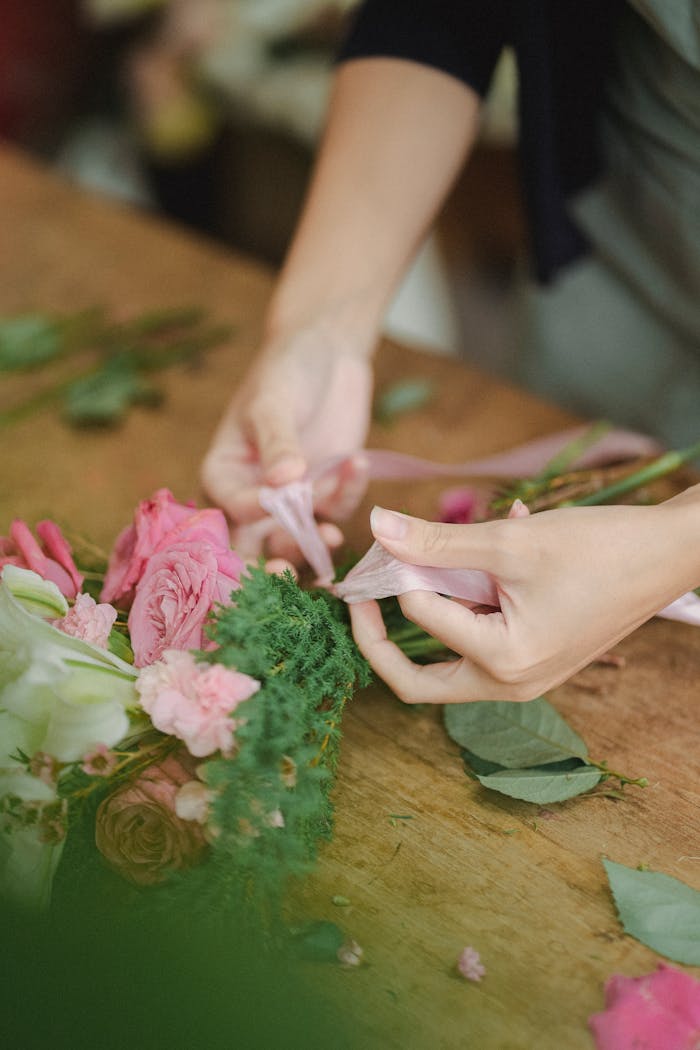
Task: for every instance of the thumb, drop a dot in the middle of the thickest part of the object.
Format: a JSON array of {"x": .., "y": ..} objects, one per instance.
[
  {"x": 279, "y": 448},
  {"x": 419, "y": 542}
]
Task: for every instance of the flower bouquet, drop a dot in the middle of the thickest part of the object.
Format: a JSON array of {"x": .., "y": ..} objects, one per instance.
[{"x": 181, "y": 730}]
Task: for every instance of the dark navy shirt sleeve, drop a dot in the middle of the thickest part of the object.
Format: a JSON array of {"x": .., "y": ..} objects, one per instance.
[{"x": 463, "y": 39}]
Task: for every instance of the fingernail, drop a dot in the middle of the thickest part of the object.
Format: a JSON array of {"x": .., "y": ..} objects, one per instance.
[{"x": 387, "y": 524}]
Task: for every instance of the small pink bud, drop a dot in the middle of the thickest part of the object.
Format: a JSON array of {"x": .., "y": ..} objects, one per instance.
[{"x": 470, "y": 965}]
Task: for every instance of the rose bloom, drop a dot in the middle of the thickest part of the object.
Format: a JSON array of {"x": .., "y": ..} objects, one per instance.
[
  {"x": 52, "y": 559},
  {"x": 175, "y": 596},
  {"x": 159, "y": 522},
  {"x": 194, "y": 701},
  {"x": 138, "y": 831}
]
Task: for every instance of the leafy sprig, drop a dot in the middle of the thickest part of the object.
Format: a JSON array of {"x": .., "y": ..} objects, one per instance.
[{"x": 121, "y": 355}]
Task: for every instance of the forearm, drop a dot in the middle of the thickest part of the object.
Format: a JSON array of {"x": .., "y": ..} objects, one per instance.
[
  {"x": 682, "y": 535},
  {"x": 397, "y": 134}
]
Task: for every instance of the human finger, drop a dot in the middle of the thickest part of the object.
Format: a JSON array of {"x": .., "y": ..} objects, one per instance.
[
  {"x": 230, "y": 473},
  {"x": 485, "y": 545},
  {"x": 343, "y": 497},
  {"x": 480, "y": 638},
  {"x": 277, "y": 566},
  {"x": 518, "y": 510},
  {"x": 277, "y": 440},
  {"x": 444, "y": 683}
]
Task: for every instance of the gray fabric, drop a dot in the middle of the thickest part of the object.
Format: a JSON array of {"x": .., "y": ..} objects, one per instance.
[{"x": 619, "y": 334}]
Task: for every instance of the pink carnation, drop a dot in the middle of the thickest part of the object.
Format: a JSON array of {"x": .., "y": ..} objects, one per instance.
[
  {"x": 193, "y": 701},
  {"x": 175, "y": 595},
  {"x": 88, "y": 620},
  {"x": 660, "y": 1011},
  {"x": 153, "y": 519},
  {"x": 52, "y": 560}
]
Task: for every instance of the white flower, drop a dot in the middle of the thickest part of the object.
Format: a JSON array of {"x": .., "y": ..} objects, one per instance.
[
  {"x": 58, "y": 694},
  {"x": 27, "y": 860}
]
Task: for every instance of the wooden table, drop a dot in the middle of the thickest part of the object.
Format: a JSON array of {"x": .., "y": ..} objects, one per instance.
[{"x": 527, "y": 889}]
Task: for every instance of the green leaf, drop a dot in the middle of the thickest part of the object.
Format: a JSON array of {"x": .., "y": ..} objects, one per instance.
[
  {"x": 407, "y": 395},
  {"x": 515, "y": 735},
  {"x": 658, "y": 910},
  {"x": 480, "y": 766},
  {"x": 27, "y": 341},
  {"x": 543, "y": 784},
  {"x": 119, "y": 645},
  {"x": 101, "y": 399}
]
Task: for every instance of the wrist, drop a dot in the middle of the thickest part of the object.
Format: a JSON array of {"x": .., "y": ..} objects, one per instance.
[
  {"x": 679, "y": 517},
  {"x": 346, "y": 322}
]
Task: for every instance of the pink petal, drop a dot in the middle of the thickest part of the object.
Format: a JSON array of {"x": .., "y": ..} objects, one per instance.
[
  {"x": 27, "y": 547},
  {"x": 58, "y": 548},
  {"x": 660, "y": 1011}
]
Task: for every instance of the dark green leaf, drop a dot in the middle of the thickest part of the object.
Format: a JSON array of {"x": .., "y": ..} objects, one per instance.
[
  {"x": 480, "y": 766},
  {"x": 27, "y": 341},
  {"x": 515, "y": 735},
  {"x": 543, "y": 784},
  {"x": 660, "y": 911}
]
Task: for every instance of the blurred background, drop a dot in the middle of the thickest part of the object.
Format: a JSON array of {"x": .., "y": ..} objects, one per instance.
[{"x": 209, "y": 112}]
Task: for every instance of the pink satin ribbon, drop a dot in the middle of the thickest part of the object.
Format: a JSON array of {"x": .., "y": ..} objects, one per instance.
[{"x": 380, "y": 575}]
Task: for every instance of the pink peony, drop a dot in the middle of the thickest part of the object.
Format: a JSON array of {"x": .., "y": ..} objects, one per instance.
[
  {"x": 153, "y": 519},
  {"x": 660, "y": 1011},
  {"x": 52, "y": 560},
  {"x": 176, "y": 594},
  {"x": 88, "y": 620},
  {"x": 138, "y": 831},
  {"x": 194, "y": 701}
]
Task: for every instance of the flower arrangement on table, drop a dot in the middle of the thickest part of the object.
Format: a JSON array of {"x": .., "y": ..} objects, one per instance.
[
  {"x": 187, "y": 722},
  {"x": 177, "y": 716}
]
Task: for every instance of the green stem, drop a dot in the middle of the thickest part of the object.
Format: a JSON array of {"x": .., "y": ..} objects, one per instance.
[
  {"x": 660, "y": 467},
  {"x": 571, "y": 452},
  {"x": 641, "y": 782},
  {"x": 423, "y": 647}
]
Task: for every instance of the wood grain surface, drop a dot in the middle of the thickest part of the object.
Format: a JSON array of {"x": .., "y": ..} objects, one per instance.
[{"x": 526, "y": 887}]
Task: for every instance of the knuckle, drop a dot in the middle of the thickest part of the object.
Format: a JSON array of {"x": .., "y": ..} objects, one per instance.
[{"x": 432, "y": 537}]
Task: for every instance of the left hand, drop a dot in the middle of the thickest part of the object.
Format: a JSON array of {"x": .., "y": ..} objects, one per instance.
[{"x": 571, "y": 583}]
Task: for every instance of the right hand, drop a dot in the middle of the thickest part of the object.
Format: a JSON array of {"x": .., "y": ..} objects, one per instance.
[{"x": 306, "y": 398}]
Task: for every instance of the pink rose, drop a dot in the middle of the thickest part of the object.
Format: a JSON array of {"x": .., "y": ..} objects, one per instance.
[
  {"x": 88, "y": 620},
  {"x": 660, "y": 1011},
  {"x": 138, "y": 831},
  {"x": 194, "y": 701},
  {"x": 153, "y": 519},
  {"x": 52, "y": 560},
  {"x": 175, "y": 595}
]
